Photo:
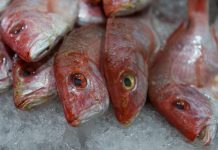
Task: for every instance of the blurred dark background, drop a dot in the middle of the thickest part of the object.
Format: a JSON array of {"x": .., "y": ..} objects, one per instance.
[{"x": 213, "y": 10}]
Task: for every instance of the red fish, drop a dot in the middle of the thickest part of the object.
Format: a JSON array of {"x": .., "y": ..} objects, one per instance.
[
  {"x": 184, "y": 78},
  {"x": 123, "y": 7},
  {"x": 90, "y": 13},
  {"x": 33, "y": 83},
  {"x": 5, "y": 68},
  {"x": 32, "y": 27},
  {"x": 81, "y": 86},
  {"x": 129, "y": 48}
]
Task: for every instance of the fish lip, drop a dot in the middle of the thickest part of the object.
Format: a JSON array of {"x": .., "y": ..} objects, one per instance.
[
  {"x": 88, "y": 114},
  {"x": 207, "y": 134},
  {"x": 37, "y": 54},
  {"x": 128, "y": 122},
  {"x": 30, "y": 102}
]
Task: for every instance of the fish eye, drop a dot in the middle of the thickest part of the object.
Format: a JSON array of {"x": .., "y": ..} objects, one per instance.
[
  {"x": 128, "y": 81},
  {"x": 79, "y": 80},
  {"x": 17, "y": 29},
  {"x": 181, "y": 104}
]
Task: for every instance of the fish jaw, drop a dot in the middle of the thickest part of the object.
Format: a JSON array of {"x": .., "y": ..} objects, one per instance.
[
  {"x": 90, "y": 14},
  {"x": 123, "y": 7},
  {"x": 32, "y": 89},
  {"x": 80, "y": 104},
  {"x": 5, "y": 69},
  {"x": 185, "y": 108},
  {"x": 33, "y": 34}
]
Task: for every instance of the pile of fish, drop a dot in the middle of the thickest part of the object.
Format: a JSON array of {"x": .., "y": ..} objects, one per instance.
[{"x": 91, "y": 52}]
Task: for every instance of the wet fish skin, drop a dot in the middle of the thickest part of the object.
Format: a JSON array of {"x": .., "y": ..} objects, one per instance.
[
  {"x": 123, "y": 7},
  {"x": 129, "y": 47},
  {"x": 90, "y": 13},
  {"x": 80, "y": 84},
  {"x": 33, "y": 27},
  {"x": 33, "y": 83},
  {"x": 5, "y": 68},
  {"x": 183, "y": 80}
]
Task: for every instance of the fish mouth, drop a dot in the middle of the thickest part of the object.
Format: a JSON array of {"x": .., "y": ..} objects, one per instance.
[
  {"x": 40, "y": 50},
  {"x": 128, "y": 122},
  {"x": 89, "y": 113},
  {"x": 207, "y": 134},
  {"x": 37, "y": 54},
  {"x": 29, "y": 103}
]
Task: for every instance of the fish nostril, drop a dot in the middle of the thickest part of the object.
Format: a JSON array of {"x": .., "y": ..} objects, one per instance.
[{"x": 18, "y": 28}]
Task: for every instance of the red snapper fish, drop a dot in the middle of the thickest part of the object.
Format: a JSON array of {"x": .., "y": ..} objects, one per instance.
[
  {"x": 184, "y": 78},
  {"x": 90, "y": 13},
  {"x": 80, "y": 84},
  {"x": 129, "y": 48},
  {"x": 33, "y": 27},
  {"x": 33, "y": 83},
  {"x": 5, "y": 68},
  {"x": 123, "y": 7}
]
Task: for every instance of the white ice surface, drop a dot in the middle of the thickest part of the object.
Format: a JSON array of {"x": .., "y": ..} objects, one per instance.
[{"x": 45, "y": 128}]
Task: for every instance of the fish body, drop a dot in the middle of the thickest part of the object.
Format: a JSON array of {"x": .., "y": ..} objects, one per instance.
[
  {"x": 80, "y": 84},
  {"x": 33, "y": 27},
  {"x": 183, "y": 79},
  {"x": 90, "y": 13},
  {"x": 129, "y": 48},
  {"x": 123, "y": 7},
  {"x": 5, "y": 68},
  {"x": 33, "y": 83}
]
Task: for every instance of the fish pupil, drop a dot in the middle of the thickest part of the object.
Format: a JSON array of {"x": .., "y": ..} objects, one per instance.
[
  {"x": 77, "y": 82},
  {"x": 127, "y": 82},
  {"x": 180, "y": 105}
]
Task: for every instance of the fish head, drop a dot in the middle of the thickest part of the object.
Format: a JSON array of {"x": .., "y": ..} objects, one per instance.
[
  {"x": 188, "y": 110},
  {"x": 33, "y": 83},
  {"x": 81, "y": 88},
  {"x": 32, "y": 34},
  {"x": 5, "y": 69},
  {"x": 126, "y": 73}
]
